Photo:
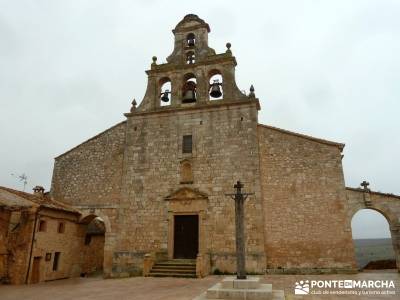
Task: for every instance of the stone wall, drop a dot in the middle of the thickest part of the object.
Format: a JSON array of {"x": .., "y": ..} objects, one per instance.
[
  {"x": 91, "y": 172},
  {"x": 4, "y": 224},
  {"x": 27, "y": 240},
  {"x": 306, "y": 227},
  {"x": 50, "y": 241},
  {"x": 93, "y": 255},
  {"x": 225, "y": 149},
  {"x": 19, "y": 245}
]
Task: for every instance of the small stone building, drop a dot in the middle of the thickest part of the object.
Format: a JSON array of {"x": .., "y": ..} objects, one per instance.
[
  {"x": 42, "y": 239},
  {"x": 158, "y": 179}
]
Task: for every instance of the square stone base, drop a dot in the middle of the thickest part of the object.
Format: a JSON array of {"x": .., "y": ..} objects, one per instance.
[
  {"x": 233, "y": 283},
  {"x": 246, "y": 289}
]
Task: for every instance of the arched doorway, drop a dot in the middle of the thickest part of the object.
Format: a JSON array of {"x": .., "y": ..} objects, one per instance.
[
  {"x": 372, "y": 240},
  {"x": 92, "y": 245}
]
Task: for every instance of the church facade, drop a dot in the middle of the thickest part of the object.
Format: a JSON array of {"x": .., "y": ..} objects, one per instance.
[{"x": 159, "y": 179}]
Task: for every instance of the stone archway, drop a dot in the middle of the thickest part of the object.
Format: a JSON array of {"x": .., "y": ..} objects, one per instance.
[
  {"x": 109, "y": 237},
  {"x": 373, "y": 246},
  {"x": 92, "y": 252},
  {"x": 386, "y": 204}
]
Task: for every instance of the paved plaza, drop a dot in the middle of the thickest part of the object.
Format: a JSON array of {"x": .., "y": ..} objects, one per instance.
[{"x": 149, "y": 288}]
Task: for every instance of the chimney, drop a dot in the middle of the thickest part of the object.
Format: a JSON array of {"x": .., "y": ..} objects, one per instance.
[{"x": 38, "y": 191}]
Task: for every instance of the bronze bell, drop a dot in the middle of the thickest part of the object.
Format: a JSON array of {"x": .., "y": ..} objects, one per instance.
[
  {"x": 190, "y": 42},
  {"x": 164, "y": 96},
  {"x": 189, "y": 97},
  {"x": 215, "y": 89}
]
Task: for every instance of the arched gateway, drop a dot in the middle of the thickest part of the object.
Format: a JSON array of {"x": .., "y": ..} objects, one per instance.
[
  {"x": 386, "y": 204},
  {"x": 103, "y": 248}
]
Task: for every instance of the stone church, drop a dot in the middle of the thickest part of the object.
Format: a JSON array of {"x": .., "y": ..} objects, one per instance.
[{"x": 158, "y": 179}]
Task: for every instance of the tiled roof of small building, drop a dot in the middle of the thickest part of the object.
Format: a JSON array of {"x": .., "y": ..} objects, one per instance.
[
  {"x": 14, "y": 200},
  {"x": 24, "y": 199}
]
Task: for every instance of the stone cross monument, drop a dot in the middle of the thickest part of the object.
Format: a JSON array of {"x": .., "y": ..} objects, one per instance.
[{"x": 239, "y": 198}]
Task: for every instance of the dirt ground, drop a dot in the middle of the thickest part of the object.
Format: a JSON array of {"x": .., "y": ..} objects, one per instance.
[{"x": 148, "y": 288}]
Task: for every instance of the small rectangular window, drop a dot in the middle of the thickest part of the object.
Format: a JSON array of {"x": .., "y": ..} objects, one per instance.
[
  {"x": 187, "y": 144},
  {"x": 88, "y": 239},
  {"x": 61, "y": 227},
  {"x": 48, "y": 256},
  {"x": 56, "y": 261},
  {"x": 42, "y": 226}
]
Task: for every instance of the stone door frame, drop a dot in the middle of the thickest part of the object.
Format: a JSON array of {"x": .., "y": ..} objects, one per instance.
[
  {"x": 186, "y": 201},
  {"x": 171, "y": 230}
]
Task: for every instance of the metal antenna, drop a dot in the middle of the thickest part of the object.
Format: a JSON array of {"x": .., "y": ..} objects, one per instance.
[{"x": 22, "y": 178}]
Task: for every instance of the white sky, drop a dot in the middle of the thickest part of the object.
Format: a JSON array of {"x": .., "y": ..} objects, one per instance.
[{"x": 330, "y": 69}]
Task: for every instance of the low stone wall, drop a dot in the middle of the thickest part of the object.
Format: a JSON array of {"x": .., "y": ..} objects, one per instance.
[{"x": 126, "y": 264}]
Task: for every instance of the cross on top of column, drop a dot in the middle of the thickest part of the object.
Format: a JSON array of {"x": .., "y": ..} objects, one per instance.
[
  {"x": 365, "y": 185},
  {"x": 238, "y": 186}
]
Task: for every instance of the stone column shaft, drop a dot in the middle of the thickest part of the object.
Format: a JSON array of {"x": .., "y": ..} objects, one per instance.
[{"x": 240, "y": 249}]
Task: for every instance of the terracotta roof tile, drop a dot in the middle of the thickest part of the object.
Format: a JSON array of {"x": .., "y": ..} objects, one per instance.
[{"x": 44, "y": 201}]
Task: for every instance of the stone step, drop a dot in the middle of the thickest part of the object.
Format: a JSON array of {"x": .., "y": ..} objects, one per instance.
[
  {"x": 182, "y": 275},
  {"x": 218, "y": 291},
  {"x": 276, "y": 295},
  {"x": 173, "y": 270},
  {"x": 178, "y": 261},
  {"x": 185, "y": 268},
  {"x": 231, "y": 282},
  {"x": 165, "y": 266}
]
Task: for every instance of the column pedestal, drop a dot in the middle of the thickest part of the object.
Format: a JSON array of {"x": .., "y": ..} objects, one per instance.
[{"x": 246, "y": 289}]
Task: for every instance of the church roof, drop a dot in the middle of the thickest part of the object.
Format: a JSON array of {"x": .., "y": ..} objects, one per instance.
[
  {"x": 19, "y": 199},
  {"x": 311, "y": 138},
  {"x": 90, "y": 139}
]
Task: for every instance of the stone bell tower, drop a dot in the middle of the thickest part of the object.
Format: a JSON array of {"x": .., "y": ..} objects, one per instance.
[
  {"x": 193, "y": 135},
  {"x": 194, "y": 74}
]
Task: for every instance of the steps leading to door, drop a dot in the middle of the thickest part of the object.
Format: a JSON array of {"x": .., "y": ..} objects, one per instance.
[{"x": 185, "y": 268}]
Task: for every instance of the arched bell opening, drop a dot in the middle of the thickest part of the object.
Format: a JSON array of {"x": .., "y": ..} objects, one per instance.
[
  {"x": 165, "y": 91},
  {"x": 190, "y": 40},
  {"x": 93, "y": 243},
  {"x": 190, "y": 58},
  {"x": 215, "y": 88},
  {"x": 373, "y": 241},
  {"x": 189, "y": 88}
]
